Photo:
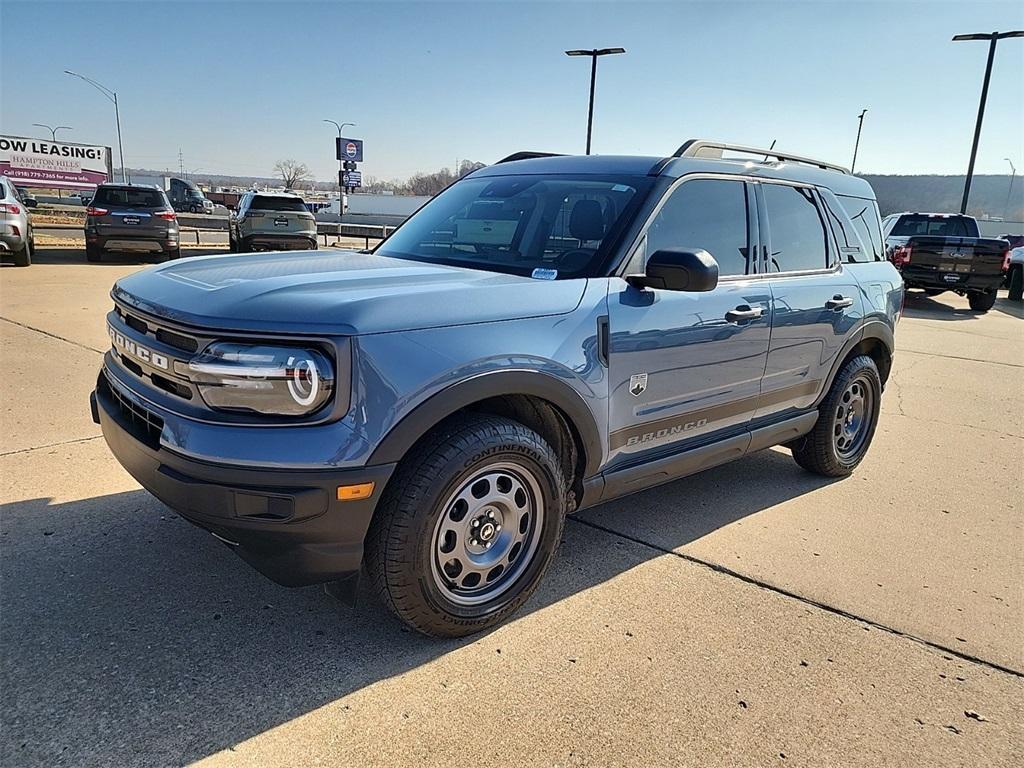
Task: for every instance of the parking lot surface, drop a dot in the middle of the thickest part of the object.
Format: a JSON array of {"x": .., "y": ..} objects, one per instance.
[{"x": 754, "y": 614}]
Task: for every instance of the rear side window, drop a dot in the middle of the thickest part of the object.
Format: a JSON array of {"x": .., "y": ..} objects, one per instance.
[
  {"x": 271, "y": 203},
  {"x": 937, "y": 226},
  {"x": 705, "y": 213},
  {"x": 864, "y": 215},
  {"x": 798, "y": 235},
  {"x": 130, "y": 198}
]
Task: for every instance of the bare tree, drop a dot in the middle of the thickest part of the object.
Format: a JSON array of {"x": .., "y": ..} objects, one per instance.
[{"x": 292, "y": 172}]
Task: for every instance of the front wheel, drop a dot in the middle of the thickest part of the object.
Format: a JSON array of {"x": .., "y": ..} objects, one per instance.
[
  {"x": 982, "y": 302},
  {"x": 467, "y": 526},
  {"x": 846, "y": 421}
]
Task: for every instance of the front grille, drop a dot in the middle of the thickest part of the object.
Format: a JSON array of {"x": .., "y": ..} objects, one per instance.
[
  {"x": 154, "y": 331},
  {"x": 177, "y": 340},
  {"x": 140, "y": 422},
  {"x": 136, "y": 323}
]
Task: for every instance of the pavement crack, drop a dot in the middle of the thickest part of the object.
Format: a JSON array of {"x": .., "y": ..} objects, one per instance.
[
  {"x": 959, "y": 357},
  {"x": 51, "y": 335},
  {"x": 802, "y": 598},
  {"x": 51, "y": 445}
]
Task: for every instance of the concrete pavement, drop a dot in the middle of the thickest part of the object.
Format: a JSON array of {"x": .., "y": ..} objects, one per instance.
[{"x": 751, "y": 615}]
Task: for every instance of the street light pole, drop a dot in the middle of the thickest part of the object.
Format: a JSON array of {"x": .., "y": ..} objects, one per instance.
[
  {"x": 1009, "y": 192},
  {"x": 53, "y": 129},
  {"x": 112, "y": 96},
  {"x": 856, "y": 144},
  {"x": 593, "y": 54},
  {"x": 993, "y": 38},
  {"x": 341, "y": 167}
]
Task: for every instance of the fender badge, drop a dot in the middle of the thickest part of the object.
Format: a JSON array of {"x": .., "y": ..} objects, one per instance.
[{"x": 637, "y": 384}]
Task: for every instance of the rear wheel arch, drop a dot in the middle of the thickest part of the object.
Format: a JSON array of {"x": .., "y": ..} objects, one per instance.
[
  {"x": 875, "y": 340},
  {"x": 541, "y": 402}
]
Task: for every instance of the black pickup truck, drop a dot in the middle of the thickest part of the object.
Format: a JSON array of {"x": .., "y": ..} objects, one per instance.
[{"x": 940, "y": 252}]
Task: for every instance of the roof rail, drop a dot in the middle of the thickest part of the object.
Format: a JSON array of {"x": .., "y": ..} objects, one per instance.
[
  {"x": 527, "y": 156},
  {"x": 714, "y": 149}
]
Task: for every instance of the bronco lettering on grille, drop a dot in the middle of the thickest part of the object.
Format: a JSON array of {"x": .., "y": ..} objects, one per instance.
[{"x": 125, "y": 345}]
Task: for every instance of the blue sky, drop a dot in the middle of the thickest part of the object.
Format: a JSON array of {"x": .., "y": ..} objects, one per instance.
[{"x": 237, "y": 86}]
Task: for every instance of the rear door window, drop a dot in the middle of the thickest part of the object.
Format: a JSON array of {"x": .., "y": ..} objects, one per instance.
[
  {"x": 282, "y": 204},
  {"x": 799, "y": 239},
  {"x": 130, "y": 198},
  {"x": 710, "y": 214}
]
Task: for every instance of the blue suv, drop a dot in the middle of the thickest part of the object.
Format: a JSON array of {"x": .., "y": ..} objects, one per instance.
[{"x": 548, "y": 333}]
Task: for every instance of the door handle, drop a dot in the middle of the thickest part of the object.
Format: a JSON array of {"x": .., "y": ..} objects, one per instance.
[
  {"x": 839, "y": 302},
  {"x": 743, "y": 312}
]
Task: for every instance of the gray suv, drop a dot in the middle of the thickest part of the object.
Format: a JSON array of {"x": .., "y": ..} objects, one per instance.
[
  {"x": 546, "y": 334},
  {"x": 272, "y": 221},
  {"x": 136, "y": 218},
  {"x": 16, "y": 237}
]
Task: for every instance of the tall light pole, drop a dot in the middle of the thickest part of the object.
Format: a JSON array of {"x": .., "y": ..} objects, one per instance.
[
  {"x": 1009, "y": 191},
  {"x": 53, "y": 136},
  {"x": 593, "y": 54},
  {"x": 856, "y": 144},
  {"x": 53, "y": 129},
  {"x": 993, "y": 38},
  {"x": 341, "y": 167},
  {"x": 112, "y": 96}
]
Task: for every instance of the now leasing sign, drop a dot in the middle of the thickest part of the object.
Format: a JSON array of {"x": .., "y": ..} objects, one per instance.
[{"x": 54, "y": 164}]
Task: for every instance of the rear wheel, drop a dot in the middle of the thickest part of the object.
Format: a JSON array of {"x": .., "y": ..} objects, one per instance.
[
  {"x": 23, "y": 257},
  {"x": 93, "y": 253},
  {"x": 982, "y": 302},
  {"x": 175, "y": 254},
  {"x": 467, "y": 526},
  {"x": 1016, "y": 282},
  {"x": 846, "y": 421}
]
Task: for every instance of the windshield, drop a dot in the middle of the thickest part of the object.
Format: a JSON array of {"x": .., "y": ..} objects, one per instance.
[
  {"x": 940, "y": 226},
  {"x": 551, "y": 227}
]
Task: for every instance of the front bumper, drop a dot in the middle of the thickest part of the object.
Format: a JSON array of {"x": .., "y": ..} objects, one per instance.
[{"x": 288, "y": 524}]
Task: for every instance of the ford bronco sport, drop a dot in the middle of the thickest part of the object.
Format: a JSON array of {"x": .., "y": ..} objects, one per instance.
[{"x": 548, "y": 333}]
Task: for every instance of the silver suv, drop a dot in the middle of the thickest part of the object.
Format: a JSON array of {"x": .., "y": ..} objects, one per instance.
[
  {"x": 272, "y": 221},
  {"x": 15, "y": 225}
]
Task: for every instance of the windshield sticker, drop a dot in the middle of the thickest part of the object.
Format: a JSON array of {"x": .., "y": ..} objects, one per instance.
[{"x": 544, "y": 274}]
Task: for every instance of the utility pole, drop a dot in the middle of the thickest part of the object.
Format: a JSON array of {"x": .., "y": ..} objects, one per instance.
[
  {"x": 856, "y": 144},
  {"x": 993, "y": 38},
  {"x": 593, "y": 54},
  {"x": 181, "y": 164}
]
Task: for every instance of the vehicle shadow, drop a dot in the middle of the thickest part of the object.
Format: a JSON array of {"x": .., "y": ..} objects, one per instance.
[
  {"x": 131, "y": 637},
  {"x": 920, "y": 306}
]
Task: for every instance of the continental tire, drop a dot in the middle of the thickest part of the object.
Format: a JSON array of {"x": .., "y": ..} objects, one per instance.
[
  {"x": 846, "y": 422},
  {"x": 467, "y": 527}
]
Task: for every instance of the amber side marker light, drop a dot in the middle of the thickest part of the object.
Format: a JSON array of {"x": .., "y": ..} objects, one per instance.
[{"x": 353, "y": 492}]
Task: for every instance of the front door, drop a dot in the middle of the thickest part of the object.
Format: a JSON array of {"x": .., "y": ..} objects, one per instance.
[{"x": 682, "y": 365}]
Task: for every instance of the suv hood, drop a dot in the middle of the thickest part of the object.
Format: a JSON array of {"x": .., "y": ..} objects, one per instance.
[{"x": 338, "y": 292}]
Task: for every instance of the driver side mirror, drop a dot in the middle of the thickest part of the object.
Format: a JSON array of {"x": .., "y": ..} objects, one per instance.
[{"x": 677, "y": 269}]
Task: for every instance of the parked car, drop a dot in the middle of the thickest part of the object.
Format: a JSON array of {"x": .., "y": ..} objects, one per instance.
[
  {"x": 136, "y": 218},
  {"x": 27, "y": 197},
  {"x": 1015, "y": 272},
  {"x": 941, "y": 252},
  {"x": 16, "y": 237},
  {"x": 272, "y": 221},
  {"x": 546, "y": 334}
]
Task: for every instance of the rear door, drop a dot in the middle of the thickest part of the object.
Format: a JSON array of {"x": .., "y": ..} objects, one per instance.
[
  {"x": 816, "y": 302},
  {"x": 682, "y": 365}
]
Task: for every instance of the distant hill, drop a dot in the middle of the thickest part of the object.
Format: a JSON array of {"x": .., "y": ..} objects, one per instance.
[
  {"x": 941, "y": 194},
  {"x": 895, "y": 193}
]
